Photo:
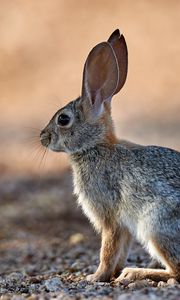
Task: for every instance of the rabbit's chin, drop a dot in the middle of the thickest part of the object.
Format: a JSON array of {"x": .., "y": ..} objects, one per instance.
[{"x": 56, "y": 148}]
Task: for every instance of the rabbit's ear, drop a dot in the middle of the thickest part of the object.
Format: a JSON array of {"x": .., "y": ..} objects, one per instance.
[
  {"x": 100, "y": 76},
  {"x": 118, "y": 43}
]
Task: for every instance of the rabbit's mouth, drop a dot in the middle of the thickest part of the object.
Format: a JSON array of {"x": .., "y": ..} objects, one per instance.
[{"x": 50, "y": 141}]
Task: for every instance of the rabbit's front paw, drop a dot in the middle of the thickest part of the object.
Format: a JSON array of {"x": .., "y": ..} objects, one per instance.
[{"x": 101, "y": 277}]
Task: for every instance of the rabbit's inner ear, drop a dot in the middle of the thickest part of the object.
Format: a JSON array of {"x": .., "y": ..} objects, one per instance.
[{"x": 101, "y": 75}]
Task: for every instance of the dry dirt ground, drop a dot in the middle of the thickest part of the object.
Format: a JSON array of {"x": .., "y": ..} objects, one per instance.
[{"x": 47, "y": 247}]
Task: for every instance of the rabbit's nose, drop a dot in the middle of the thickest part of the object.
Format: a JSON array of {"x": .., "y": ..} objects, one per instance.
[{"x": 45, "y": 138}]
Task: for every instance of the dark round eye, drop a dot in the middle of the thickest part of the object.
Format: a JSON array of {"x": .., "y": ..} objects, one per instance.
[{"x": 63, "y": 120}]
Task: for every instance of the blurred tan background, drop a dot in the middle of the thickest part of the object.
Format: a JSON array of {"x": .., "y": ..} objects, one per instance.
[{"x": 43, "y": 46}]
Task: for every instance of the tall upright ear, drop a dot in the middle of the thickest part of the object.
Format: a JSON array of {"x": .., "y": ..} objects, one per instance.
[
  {"x": 100, "y": 76},
  {"x": 118, "y": 43}
]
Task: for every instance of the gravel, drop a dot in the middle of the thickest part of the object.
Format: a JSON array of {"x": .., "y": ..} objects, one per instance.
[{"x": 47, "y": 248}]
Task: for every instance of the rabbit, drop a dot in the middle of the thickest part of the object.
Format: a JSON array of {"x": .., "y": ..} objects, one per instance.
[{"x": 125, "y": 189}]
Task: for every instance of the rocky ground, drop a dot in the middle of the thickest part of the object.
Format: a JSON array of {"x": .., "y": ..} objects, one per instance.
[{"x": 47, "y": 247}]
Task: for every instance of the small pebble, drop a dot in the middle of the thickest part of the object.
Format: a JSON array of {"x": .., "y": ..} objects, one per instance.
[
  {"x": 76, "y": 238},
  {"x": 15, "y": 277},
  {"x": 53, "y": 284},
  {"x": 124, "y": 282},
  {"x": 138, "y": 284},
  {"x": 17, "y": 297},
  {"x": 32, "y": 297},
  {"x": 5, "y": 297},
  {"x": 172, "y": 281},
  {"x": 162, "y": 284}
]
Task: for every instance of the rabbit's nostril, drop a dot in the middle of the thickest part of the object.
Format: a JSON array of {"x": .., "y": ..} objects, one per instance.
[{"x": 45, "y": 138}]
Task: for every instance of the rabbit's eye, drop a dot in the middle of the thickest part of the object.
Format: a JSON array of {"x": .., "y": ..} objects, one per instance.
[{"x": 63, "y": 120}]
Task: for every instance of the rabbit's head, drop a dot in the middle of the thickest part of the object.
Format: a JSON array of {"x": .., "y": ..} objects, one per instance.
[{"x": 86, "y": 121}]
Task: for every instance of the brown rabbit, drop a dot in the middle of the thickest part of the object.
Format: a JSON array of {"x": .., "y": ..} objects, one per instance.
[{"x": 125, "y": 189}]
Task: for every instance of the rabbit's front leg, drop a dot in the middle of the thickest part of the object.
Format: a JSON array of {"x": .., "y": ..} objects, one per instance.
[
  {"x": 110, "y": 251},
  {"x": 126, "y": 239}
]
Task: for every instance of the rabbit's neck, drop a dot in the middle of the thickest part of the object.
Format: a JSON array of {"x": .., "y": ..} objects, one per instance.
[{"x": 91, "y": 156}]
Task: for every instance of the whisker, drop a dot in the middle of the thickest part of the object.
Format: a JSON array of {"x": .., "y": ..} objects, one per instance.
[
  {"x": 43, "y": 156},
  {"x": 38, "y": 156},
  {"x": 31, "y": 143},
  {"x": 31, "y": 138},
  {"x": 32, "y": 128},
  {"x": 38, "y": 153},
  {"x": 35, "y": 154}
]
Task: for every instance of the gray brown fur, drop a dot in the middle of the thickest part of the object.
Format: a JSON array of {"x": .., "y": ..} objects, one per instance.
[{"x": 124, "y": 189}]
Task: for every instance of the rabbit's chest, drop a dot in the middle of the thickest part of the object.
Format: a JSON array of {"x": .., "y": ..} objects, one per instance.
[
  {"x": 94, "y": 195},
  {"x": 94, "y": 185},
  {"x": 89, "y": 195}
]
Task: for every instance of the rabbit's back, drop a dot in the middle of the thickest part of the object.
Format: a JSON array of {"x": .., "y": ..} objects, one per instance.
[{"x": 159, "y": 162}]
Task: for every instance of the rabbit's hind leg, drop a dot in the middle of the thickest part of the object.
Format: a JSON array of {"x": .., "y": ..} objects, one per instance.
[
  {"x": 167, "y": 255},
  {"x": 132, "y": 274},
  {"x": 167, "y": 251}
]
